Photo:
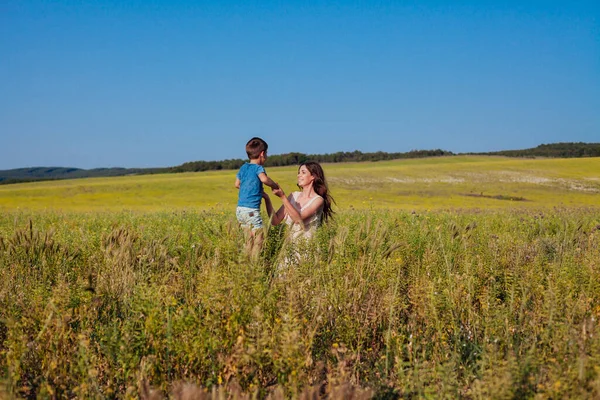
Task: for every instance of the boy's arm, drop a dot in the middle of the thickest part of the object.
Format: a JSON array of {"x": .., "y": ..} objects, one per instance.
[
  {"x": 279, "y": 215},
  {"x": 268, "y": 204},
  {"x": 268, "y": 181},
  {"x": 237, "y": 183}
]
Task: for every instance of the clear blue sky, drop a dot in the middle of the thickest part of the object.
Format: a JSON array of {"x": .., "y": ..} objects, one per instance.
[{"x": 158, "y": 83}]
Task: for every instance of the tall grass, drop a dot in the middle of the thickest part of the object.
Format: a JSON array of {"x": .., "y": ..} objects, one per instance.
[{"x": 499, "y": 304}]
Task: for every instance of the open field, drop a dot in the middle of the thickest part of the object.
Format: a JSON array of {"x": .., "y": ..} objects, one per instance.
[
  {"x": 461, "y": 277},
  {"x": 419, "y": 184},
  {"x": 490, "y": 304}
]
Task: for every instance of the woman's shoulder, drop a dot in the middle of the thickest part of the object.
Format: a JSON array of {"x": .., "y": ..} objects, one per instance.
[
  {"x": 312, "y": 200},
  {"x": 316, "y": 196}
]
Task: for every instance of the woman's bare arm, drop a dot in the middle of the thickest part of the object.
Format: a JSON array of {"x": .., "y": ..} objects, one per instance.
[
  {"x": 300, "y": 216},
  {"x": 277, "y": 217}
]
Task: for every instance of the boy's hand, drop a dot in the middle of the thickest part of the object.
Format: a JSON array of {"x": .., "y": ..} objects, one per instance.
[{"x": 278, "y": 192}]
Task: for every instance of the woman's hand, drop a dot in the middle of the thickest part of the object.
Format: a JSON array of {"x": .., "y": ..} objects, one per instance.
[{"x": 279, "y": 192}]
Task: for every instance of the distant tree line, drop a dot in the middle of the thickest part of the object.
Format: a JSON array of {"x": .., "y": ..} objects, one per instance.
[
  {"x": 198, "y": 166},
  {"x": 281, "y": 160},
  {"x": 554, "y": 150},
  {"x": 51, "y": 173}
]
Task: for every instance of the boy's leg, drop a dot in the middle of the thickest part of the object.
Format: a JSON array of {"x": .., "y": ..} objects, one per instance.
[
  {"x": 248, "y": 240},
  {"x": 258, "y": 238},
  {"x": 251, "y": 222},
  {"x": 246, "y": 218}
]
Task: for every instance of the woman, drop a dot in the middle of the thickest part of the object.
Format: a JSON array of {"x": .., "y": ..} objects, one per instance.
[{"x": 306, "y": 209}]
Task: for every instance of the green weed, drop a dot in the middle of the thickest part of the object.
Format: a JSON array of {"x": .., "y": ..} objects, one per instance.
[{"x": 478, "y": 304}]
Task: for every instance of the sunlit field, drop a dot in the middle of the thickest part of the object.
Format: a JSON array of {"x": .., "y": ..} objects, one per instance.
[
  {"x": 419, "y": 184},
  {"x": 457, "y": 277}
]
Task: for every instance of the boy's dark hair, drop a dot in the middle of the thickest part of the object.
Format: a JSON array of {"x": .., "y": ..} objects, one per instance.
[{"x": 255, "y": 146}]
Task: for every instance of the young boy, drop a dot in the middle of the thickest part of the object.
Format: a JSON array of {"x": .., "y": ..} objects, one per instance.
[{"x": 249, "y": 180}]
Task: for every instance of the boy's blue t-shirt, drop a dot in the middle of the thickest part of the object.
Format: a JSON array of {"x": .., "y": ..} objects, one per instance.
[{"x": 251, "y": 188}]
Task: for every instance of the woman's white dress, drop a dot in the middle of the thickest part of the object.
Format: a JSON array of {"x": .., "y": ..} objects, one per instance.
[{"x": 307, "y": 231}]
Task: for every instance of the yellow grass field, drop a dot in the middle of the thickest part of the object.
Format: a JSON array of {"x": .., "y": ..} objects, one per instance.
[
  {"x": 461, "y": 182},
  {"x": 122, "y": 287}
]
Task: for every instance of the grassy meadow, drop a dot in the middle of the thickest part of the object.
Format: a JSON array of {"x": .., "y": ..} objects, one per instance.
[
  {"x": 455, "y": 277},
  {"x": 420, "y": 184}
]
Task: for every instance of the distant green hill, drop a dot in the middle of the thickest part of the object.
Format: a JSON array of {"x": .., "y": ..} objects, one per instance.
[
  {"x": 50, "y": 173},
  {"x": 556, "y": 150}
]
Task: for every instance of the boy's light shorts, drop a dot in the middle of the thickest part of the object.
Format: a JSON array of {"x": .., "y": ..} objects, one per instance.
[{"x": 249, "y": 217}]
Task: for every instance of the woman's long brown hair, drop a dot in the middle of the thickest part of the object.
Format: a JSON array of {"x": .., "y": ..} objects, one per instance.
[{"x": 320, "y": 187}]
